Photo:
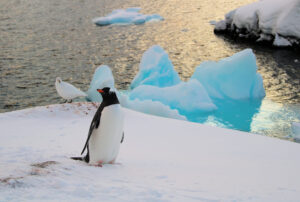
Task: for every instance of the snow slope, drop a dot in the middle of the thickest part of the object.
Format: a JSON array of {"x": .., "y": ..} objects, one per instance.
[
  {"x": 276, "y": 21},
  {"x": 160, "y": 160}
]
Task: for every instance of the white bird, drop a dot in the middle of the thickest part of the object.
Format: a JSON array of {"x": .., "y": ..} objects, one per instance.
[{"x": 67, "y": 91}]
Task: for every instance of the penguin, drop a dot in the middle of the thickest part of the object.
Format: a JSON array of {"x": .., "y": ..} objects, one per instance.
[
  {"x": 106, "y": 131},
  {"x": 67, "y": 91}
]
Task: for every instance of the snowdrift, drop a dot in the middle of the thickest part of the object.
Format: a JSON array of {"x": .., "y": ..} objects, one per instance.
[
  {"x": 273, "y": 21},
  {"x": 160, "y": 160}
]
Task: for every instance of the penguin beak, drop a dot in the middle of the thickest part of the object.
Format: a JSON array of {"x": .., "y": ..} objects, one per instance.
[{"x": 100, "y": 90}]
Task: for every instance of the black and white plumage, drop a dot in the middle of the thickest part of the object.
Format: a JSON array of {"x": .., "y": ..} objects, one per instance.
[{"x": 105, "y": 132}]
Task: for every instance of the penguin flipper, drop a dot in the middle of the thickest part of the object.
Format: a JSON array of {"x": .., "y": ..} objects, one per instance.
[
  {"x": 95, "y": 124},
  {"x": 122, "y": 138}
]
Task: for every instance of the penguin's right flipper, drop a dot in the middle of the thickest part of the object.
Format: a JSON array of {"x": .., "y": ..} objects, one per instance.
[{"x": 122, "y": 138}]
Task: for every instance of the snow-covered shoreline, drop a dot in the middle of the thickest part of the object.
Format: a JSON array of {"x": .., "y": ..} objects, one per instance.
[
  {"x": 266, "y": 21},
  {"x": 161, "y": 159}
]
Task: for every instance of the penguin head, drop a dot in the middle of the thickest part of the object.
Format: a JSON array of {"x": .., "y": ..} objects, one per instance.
[{"x": 106, "y": 92}]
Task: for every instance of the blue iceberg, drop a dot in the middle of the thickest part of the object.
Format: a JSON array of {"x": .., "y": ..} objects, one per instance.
[
  {"x": 234, "y": 77},
  {"x": 186, "y": 97},
  {"x": 227, "y": 93},
  {"x": 102, "y": 77},
  {"x": 156, "y": 69},
  {"x": 126, "y": 16}
]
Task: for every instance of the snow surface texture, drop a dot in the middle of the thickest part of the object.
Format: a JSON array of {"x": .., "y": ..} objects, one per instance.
[
  {"x": 160, "y": 160},
  {"x": 268, "y": 20},
  {"x": 126, "y": 16}
]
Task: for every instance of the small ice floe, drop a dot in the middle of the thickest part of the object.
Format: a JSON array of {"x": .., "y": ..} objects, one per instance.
[
  {"x": 126, "y": 16},
  {"x": 273, "y": 21},
  {"x": 67, "y": 91}
]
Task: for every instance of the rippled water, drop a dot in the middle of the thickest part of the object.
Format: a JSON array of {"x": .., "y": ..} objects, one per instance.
[{"x": 40, "y": 40}]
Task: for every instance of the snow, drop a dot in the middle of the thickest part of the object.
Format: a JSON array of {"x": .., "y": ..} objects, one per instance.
[
  {"x": 160, "y": 160},
  {"x": 233, "y": 77},
  {"x": 126, "y": 16},
  {"x": 156, "y": 69},
  {"x": 279, "y": 20}
]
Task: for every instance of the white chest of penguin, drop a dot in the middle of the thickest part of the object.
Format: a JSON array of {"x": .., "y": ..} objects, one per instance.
[{"x": 105, "y": 141}]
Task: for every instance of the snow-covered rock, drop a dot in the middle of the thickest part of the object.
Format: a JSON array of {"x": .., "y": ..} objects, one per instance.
[
  {"x": 233, "y": 77},
  {"x": 275, "y": 21},
  {"x": 126, "y": 16},
  {"x": 160, "y": 160},
  {"x": 156, "y": 69}
]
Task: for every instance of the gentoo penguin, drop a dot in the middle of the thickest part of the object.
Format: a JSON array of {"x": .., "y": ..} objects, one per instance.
[
  {"x": 106, "y": 131},
  {"x": 67, "y": 91}
]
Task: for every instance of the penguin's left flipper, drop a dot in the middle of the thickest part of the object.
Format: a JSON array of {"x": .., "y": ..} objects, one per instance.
[{"x": 122, "y": 138}]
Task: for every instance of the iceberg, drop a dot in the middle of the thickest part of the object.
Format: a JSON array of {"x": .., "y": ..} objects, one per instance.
[
  {"x": 186, "y": 97},
  {"x": 150, "y": 107},
  {"x": 102, "y": 77},
  {"x": 126, "y": 16},
  {"x": 156, "y": 69},
  {"x": 233, "y": 77},
  {"x": 216, "y": 91},
  {"x": 274, "y": 21}
]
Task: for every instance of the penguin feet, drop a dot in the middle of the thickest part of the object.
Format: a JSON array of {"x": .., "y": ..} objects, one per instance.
[
  {"x": 99, "y": 164},
  {"x": 112, "y": 162}
]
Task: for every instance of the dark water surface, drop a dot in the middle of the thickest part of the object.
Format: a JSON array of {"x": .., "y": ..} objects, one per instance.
[{"x": 40, "y": 40}]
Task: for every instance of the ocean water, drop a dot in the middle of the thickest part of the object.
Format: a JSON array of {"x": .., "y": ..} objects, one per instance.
[{"x": 40, "y": 40}]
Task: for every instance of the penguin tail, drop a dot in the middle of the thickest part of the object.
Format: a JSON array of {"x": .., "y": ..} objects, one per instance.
[
  {"x": 78, "y": 158},
  {"x": 85, "y": 158}
]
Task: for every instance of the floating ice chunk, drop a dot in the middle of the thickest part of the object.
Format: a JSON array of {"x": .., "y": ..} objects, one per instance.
[
  {"x": 150, "y": 107},
  {"x": 156, "y": 69},
  {"x": 126, "y": 16},
  {"x": 296, "y": 130},
  {"x": 234, "y": 77},
  {"x": 102, "y": 77},
  {"x": 186, "y": 97}
]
